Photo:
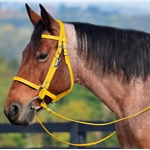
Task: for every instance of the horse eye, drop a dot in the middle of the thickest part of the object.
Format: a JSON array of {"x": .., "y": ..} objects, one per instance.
[{"x": 42, "y": 56}]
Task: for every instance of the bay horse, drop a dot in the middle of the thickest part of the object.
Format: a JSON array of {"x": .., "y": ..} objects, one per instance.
[{"x": 112, "y": 63}]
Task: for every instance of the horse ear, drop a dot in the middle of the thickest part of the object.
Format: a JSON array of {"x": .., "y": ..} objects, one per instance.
[
  {"x": 34, "y": 17},
  {"x": 51, "y": 24}
]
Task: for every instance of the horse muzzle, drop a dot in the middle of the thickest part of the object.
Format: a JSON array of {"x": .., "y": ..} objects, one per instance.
[{"x": 21, "y": 114}]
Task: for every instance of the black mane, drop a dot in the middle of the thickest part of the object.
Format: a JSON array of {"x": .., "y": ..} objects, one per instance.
[
  {"x": 115, "y": 50},
  {"x": 110, "y": 50}
]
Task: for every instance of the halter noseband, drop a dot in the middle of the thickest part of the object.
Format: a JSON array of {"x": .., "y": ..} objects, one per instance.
[{"x": 43, "y": 89}]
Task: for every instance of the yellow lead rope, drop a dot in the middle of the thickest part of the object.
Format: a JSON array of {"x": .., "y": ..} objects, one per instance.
[
  {"x": 73, "y": 144},
  {"x": 43, "y": 104}
]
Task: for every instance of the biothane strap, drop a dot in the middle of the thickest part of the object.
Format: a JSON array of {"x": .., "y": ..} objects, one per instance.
[{"x": 43, "y": 89}]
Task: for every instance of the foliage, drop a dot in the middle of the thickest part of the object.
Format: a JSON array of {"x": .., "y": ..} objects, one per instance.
[
  {"x": 13, "y": 40},
  {"x": 6, "y": 74},
  {"x": 5, "y": 141}
]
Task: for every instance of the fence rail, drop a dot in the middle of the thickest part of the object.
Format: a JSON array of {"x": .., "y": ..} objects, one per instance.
[{"x": 77, "y": 131}]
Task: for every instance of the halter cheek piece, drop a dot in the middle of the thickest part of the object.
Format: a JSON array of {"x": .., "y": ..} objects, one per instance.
[{"x": 43, "y": 89}]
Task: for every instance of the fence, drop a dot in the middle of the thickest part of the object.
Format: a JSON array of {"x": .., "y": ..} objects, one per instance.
[{"x": 77, "y": 131}]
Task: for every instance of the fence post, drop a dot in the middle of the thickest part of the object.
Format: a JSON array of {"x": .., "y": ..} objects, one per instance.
[
  {"x": 82, "y": 139},
  {"x": 74, "y": 128}
]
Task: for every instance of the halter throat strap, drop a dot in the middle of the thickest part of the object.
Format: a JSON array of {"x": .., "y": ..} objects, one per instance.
[{"x": 43, "y": 89}]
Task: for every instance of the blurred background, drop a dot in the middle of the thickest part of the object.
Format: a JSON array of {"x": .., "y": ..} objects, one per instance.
[{"x": 15, "y": 32}]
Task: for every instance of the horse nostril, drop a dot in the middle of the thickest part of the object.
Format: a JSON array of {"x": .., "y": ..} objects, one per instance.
[{"x": 14, "y": 112}]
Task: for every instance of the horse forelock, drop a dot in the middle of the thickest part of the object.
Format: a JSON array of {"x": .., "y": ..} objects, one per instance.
[
  {"x": 112, "y": 50},
  {"x": 36, "y": 35}
]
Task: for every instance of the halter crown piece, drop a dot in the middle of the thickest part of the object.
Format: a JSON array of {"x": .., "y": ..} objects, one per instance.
[{"x": 43, "y": 89}]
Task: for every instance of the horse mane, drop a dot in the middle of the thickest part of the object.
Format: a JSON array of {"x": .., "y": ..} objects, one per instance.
[
  {"x": 114, "y": 50},
  {"x": 108, "y": 49}
]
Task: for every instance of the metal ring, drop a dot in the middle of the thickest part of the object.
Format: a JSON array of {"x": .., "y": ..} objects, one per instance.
[{"x": 32, "y": 106}]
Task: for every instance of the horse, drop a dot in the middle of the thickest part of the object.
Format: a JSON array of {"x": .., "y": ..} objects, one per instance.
[{"x": 112, "y": 63}]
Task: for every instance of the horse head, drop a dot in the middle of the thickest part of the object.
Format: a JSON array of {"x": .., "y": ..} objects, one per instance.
[{"x": 36, "y": 60}]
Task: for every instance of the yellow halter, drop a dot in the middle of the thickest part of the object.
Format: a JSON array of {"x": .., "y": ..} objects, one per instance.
[{"x": 43, "y": 89}]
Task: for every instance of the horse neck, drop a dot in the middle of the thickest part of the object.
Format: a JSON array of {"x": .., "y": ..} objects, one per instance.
[
  {"x": 109, "y": 88},
  {"x": 83, "y": 75}
]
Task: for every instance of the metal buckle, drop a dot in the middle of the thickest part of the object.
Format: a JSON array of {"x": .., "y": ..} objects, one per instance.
[{"x": 57, "y": 61}]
